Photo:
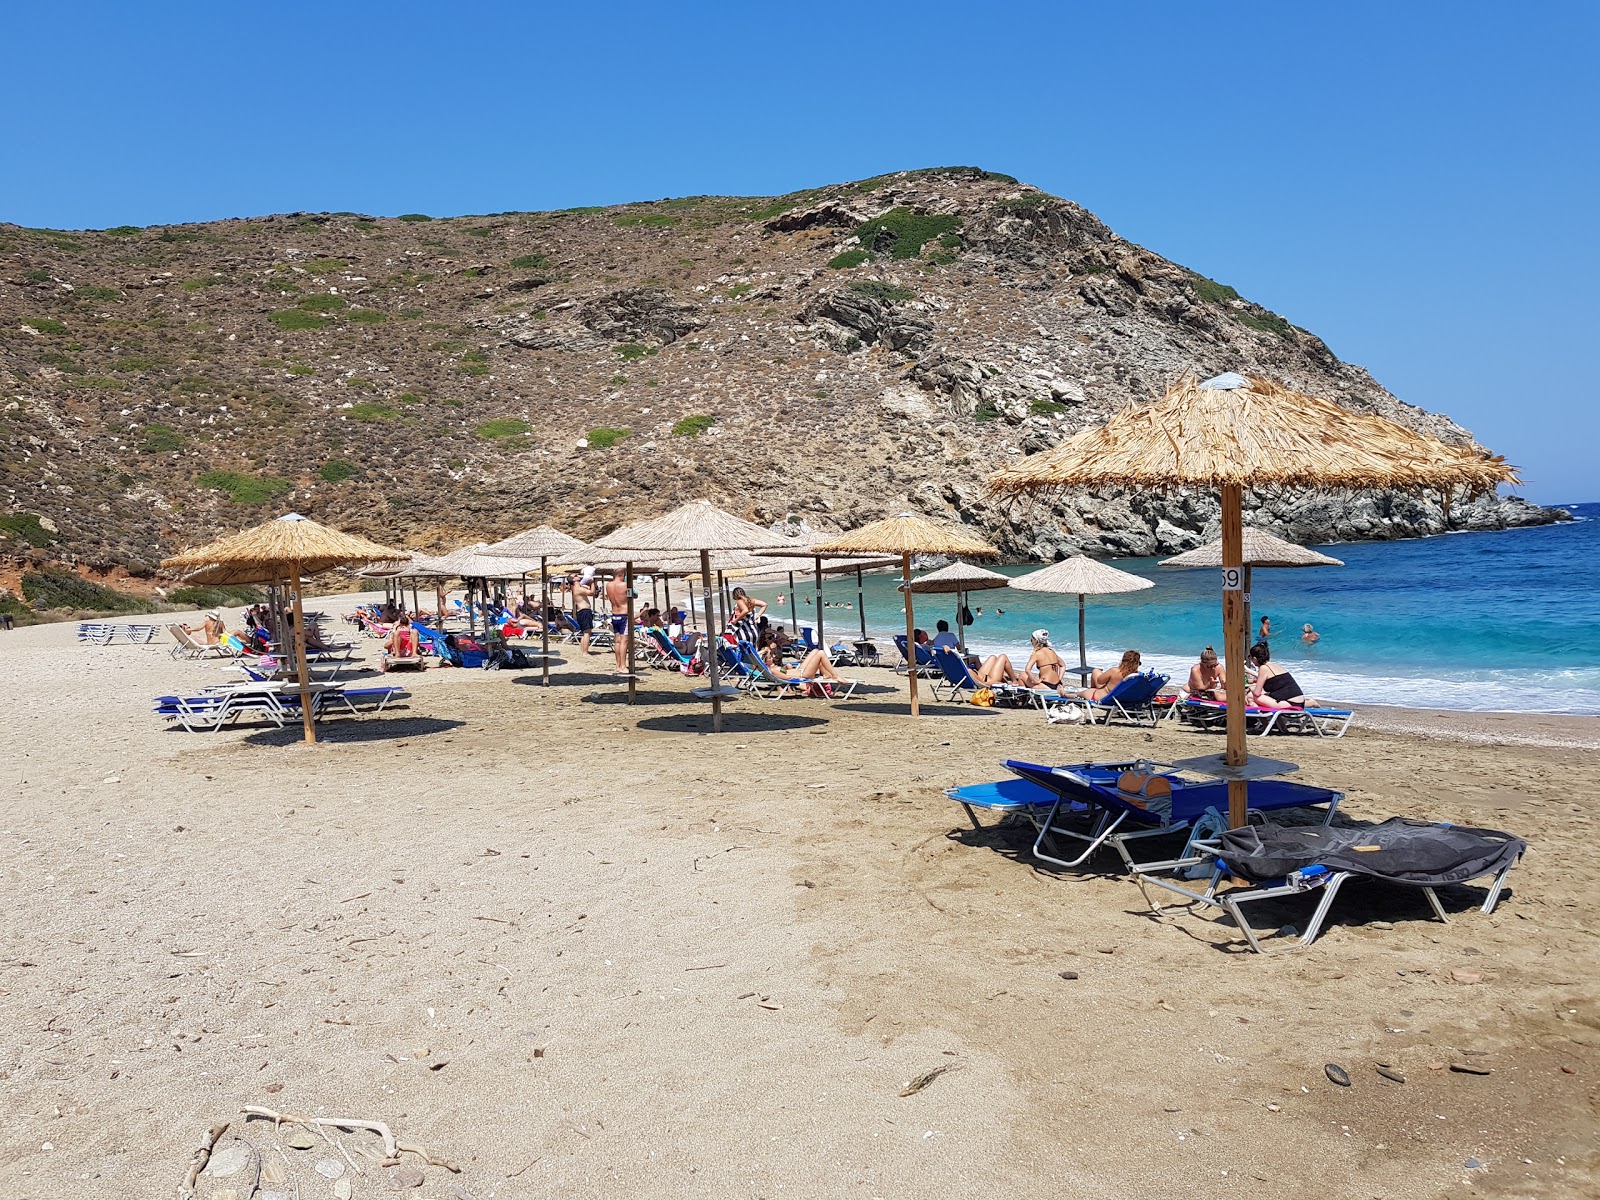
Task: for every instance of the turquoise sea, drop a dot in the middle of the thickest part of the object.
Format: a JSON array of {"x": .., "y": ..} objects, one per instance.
[{"x": 1501, "y": 621}]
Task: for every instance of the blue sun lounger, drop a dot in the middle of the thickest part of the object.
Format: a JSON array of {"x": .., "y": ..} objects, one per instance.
[
  {"x": 1087, "y": 804},
  {"x": 1133, "y": 700},
  {"x": 958, "y": 681}
]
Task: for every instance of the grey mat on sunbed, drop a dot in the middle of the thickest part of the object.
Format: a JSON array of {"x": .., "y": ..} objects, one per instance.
[{"x": 1413, "y": 852}]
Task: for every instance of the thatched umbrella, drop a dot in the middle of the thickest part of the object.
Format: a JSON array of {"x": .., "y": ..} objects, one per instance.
[
  {"x": 1261, "y": 549},
  {"x": 905, "y": 535},
  {"x": 701, "y": 527},
  {"x": 544, "y": 543},
  {"x": 1231, "y": 432},
  {"x": 1080, "y": 576},
  {"x": 291, "y": 545},
  {"x": 960, "y": 578}
]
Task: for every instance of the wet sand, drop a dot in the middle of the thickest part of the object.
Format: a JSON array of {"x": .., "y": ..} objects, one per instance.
[{"x": 579, "y": 948}]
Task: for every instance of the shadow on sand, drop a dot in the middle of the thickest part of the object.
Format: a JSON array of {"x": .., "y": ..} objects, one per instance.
[
  {"x": 734, "y": 723},
  {"x": 903, "y": 709},
  {"x": 347, "y": 731}
]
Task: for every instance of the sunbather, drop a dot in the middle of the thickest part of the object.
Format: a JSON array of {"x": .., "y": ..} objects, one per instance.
[
  {"x": 1044, "y": 664},
  {"x": 400, "y": 644},
  {"x": 813, "y": 666},
  {"x": 211, "y": 631},
  {"x": 1101, "y": 683},
  {"x": 1206, "y": 678},
  {"x": 1274, "y": 685}
]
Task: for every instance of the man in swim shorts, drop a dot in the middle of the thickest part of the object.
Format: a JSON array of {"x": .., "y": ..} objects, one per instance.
[
  {"x": 617, "y": 596},
  {"x": 583, "y": 607}
]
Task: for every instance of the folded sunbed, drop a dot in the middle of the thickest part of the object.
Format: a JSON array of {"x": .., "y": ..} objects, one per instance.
[{"x": 1286, "y": 860}]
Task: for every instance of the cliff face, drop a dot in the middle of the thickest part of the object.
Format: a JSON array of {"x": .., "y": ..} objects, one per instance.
[{"x": 836, "y": 354}]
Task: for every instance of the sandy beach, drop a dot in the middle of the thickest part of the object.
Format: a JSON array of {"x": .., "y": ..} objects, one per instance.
[{"x": 577, "y": 948}]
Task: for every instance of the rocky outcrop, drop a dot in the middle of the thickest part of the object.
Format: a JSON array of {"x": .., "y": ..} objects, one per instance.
[
  {"x": 647, "y": 314},
  {"x": 851, "y": 319}
]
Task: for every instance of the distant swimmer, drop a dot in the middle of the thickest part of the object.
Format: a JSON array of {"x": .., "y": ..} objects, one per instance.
[
  {"x": 1265, "y": 632},
  {"x": 1309, "y": 635}
]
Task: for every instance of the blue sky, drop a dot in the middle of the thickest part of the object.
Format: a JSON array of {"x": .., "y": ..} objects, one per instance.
[{"x": 1415, "y": 182}]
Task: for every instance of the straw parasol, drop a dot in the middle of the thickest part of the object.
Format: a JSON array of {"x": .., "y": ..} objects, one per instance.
[
  {"x": 960, "y": 578},
  {"x": 1261, "y": 549},
  {"x": 291, "y": 545},
  {"x": 543, "y": 542},
  {"x": 1231, "y": 432},
  {"x": 905, "y": 535},
  {"x": 1080, "y": 576},
  {"x": 698, "y": 526}
]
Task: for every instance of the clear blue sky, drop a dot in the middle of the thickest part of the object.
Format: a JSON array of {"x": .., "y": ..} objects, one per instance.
[{"x": 1416, "y": 182}]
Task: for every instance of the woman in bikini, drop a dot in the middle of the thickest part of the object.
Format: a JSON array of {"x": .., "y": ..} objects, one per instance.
[
  {"x": 1102, "y": 683},
  {"x": 1274, "y": 686}
]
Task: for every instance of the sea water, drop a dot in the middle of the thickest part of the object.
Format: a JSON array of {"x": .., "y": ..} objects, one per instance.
[{"x": 1499, "y": 621}]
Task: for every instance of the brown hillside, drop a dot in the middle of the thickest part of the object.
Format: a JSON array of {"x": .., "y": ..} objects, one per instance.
[{"x": 835, "y": 354}]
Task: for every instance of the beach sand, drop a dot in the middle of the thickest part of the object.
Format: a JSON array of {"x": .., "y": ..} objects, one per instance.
[{"x": 579, "y": 949}]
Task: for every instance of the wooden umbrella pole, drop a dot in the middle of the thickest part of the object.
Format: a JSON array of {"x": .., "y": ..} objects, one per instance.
[
  {"x": 1233, "y": 635},
  {"x": 822, "y": 639},
  {"x": 861, "y": 602},
  {"x": 711, "y": 644},
  {"x": 627, "y": 632},
  {"x": 544, "y": 618},
  {"x": 300, "y": 656},
  {"x": 794, "y": 607},
  {"x": 911, "y": 632}
]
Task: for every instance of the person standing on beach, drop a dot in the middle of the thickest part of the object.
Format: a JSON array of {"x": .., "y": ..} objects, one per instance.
[
  {"x": 583, "y": 607},
  {"x": 617, "y": 597}
]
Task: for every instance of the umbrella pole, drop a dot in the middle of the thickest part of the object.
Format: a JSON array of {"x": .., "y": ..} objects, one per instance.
[
  {"x": 712, "y": 647},
  {"x": 861, "y": 602},
  {"x": 821, "y": 638},
  {"x": 300, "y": 655},
  {"x": 1233, "y": 635},
  {"x": 911, "y": 631},
  {"x": 666, "y": 592},
  {"x": 544, "y": 620},
  {"x": 1083, "y": 647},
  {"x": 633, "y": 680},
  {"x": 794, "y": 607}
]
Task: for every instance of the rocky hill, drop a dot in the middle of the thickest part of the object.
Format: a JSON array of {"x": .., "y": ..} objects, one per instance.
[{"x": 833, "y": 355}]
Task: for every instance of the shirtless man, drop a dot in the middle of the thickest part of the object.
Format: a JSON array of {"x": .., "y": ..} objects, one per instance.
[
  {"x": 617, "y": 595},
  {"x": 583, "y": 607},
  {"x": 1207, "y": 681}
]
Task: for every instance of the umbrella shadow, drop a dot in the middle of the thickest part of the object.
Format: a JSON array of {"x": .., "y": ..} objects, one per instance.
[
  {"x": 903, "y": 709},
  {"x": 357, "y": 731},
  {"x": 732, "y": 722}
]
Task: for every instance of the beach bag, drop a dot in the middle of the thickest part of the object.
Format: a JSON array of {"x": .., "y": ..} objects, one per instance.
[
  {"x": 983, "y": 698},
  {"x": 1139, "y": 787}
]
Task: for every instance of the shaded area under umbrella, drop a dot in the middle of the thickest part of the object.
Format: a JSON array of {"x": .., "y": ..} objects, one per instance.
[
  {"x": 291, "y": 547},
  {"x": 905, "y": 535},
  {"x": 1081, "y": 576},
  {"x": 1231, "y": 432}
]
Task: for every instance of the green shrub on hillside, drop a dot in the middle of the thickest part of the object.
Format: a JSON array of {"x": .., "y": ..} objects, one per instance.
[
  {"x": 45, "y": 324},
  {"x": 885, "y": 292},
  {"x": 93, "y": 291},
  {"x": 902, "y": 233},
  {"x": 371, "y": 410},
  {"x": 337, "y": 471},
  {"x": 606, "y": 437},
  {"x": 367, "y": 316},
  {"x": 158, "y": 439},
  {"x": 55, "y": 587},
  {"x": 502, "y": 428},
  {"x": 123, "y": 230},
  {"x": 693, "y": 426},
  {"x": 633, "y": 351},
  {"x": 415, "y": 217},
  {"x": 195, "y": 285},
  {"x": 234, "y": 595},
  {"x": 321, "y": 302},
  {"x": 531, "y": 262},
  {"x": 322, "y": 266},
  {"x": 244, "y": 489},
  {"x": 1266, "y": 322},
  {"x": 294, "y": 319},
  {"x": 25, "y": 527},
  {"x": 1211, "y": 291},
  {"x": 651, "y": 220}
]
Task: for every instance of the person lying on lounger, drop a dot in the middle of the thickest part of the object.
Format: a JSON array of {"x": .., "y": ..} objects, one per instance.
[
  {"x": 1274, "y": 685},
  {"x": 813, "y": 666},
  {"x": 1102, "y": 683}
]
